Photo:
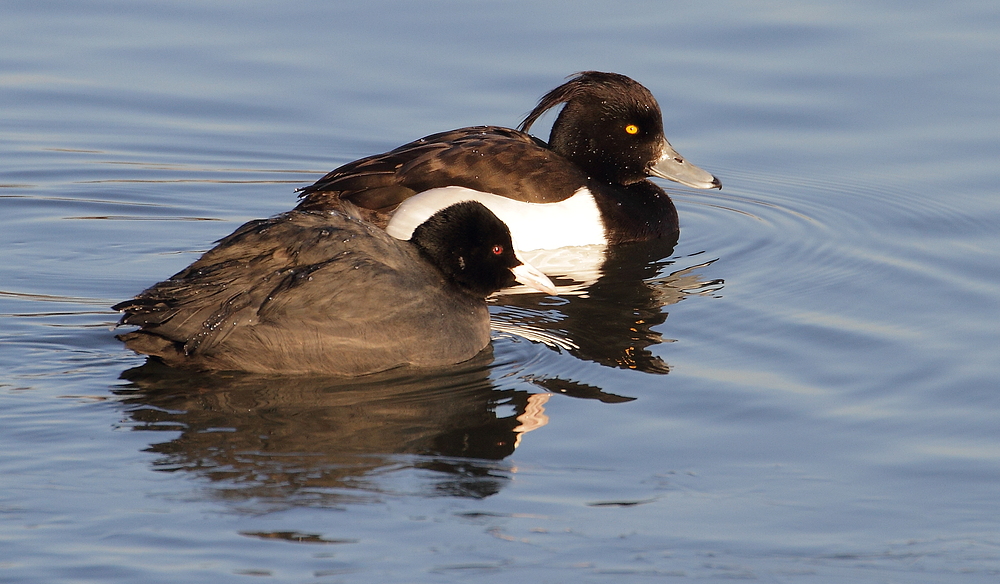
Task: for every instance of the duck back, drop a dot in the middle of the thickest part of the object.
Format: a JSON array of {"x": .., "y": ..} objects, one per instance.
[{"x": 479, "y": 158}]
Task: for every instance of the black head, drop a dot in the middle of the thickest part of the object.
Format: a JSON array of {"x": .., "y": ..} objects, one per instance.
[
  {"x": 471, "y": 247},
  {"x": 612, "y": 129},
  {"x": 611, "y": 126}
]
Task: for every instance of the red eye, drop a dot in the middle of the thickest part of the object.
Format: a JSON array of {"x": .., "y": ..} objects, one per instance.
[{"x": 497, "y": 249}]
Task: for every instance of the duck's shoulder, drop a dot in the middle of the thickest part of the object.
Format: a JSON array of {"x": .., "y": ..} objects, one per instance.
[{"x": 490, "y": 159}]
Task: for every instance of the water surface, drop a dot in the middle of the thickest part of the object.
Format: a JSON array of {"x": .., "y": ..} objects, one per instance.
[{"x": 802, "y": 389}]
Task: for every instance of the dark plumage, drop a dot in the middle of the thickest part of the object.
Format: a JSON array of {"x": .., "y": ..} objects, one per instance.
[
  {"x": 321, "y": 292},
  {"x": 607, "y": 139}
]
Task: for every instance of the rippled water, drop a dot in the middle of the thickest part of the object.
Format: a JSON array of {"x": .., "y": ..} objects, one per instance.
[{"x": 803, "y": 389}]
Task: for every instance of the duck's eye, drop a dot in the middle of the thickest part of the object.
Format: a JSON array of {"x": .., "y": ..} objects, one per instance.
[
  {"x": 631, "y": 129},
  {"x": 497, "y": 250}
]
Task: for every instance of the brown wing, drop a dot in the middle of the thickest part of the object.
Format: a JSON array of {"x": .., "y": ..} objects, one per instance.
[{"x": 490, "y": 159}]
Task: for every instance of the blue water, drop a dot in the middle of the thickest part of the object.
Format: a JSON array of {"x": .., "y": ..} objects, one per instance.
[{"x": 806, "y": 388}]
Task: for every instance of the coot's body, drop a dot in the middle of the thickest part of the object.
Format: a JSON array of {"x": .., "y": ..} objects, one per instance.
[{"x": 320, "y": 292}]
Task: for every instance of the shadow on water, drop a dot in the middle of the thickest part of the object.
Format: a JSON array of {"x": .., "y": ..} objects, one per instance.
[{"x": 291, "y": 441}]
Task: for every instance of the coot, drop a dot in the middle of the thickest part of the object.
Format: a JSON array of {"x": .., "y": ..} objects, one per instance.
[{"x": 323, "y": 292}]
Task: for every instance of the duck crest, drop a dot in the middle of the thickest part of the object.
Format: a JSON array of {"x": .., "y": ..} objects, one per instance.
[{"x": 582, "y": 84}]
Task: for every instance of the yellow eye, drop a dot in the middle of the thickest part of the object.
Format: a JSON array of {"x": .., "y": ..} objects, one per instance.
[{"x": 632, "y": 129}]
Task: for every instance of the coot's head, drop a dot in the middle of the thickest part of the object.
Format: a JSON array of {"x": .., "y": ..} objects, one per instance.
[
  {"x": 611, "y": 127},
  {"x": 472, "y": 248}
]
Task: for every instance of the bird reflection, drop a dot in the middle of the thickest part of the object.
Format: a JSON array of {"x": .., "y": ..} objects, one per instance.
[
  {"x": 268, "y": 440},
  {"x": 610, "y": 319}
]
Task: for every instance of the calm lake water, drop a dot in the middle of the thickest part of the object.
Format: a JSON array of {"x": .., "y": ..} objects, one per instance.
[{"x": 806, "y": 388}]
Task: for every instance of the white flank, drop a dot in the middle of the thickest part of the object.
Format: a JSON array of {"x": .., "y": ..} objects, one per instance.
[{"x": 575, "y": 221}]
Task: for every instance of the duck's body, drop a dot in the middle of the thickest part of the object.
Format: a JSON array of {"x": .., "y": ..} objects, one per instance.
[
  {"x": 311, "y": 292},
  {"x": 588, "y": 185}
]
